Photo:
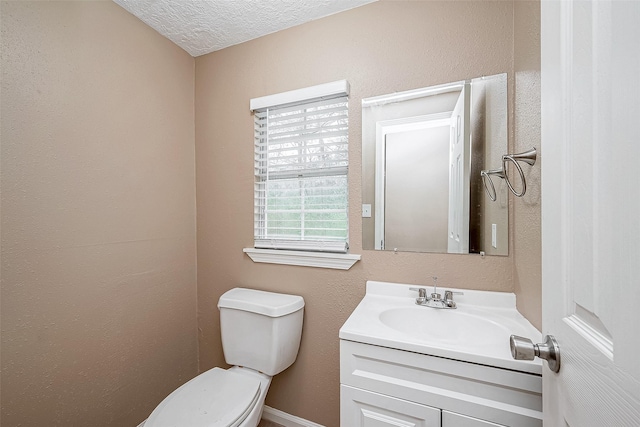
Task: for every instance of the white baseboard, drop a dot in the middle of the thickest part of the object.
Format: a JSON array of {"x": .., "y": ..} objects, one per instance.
[
  {"x": 279, "y": 417},
  {"x": 284, "y": 419}
]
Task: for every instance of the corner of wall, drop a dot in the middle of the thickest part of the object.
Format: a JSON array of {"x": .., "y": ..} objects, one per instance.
[{"x": 527, "y": 266}]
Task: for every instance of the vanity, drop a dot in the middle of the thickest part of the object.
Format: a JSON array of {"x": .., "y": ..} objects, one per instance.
[{"x": 403, "y": 364}]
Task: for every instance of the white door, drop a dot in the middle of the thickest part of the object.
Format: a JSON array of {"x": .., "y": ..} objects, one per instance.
[
  {"x": 591, "y": 210},
  {"x": 459, "y": 175}
]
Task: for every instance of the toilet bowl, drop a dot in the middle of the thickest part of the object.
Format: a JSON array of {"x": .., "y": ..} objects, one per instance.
[{"x": 261, "y": 334}]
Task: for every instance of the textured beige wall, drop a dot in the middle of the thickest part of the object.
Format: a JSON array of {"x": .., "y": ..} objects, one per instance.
[
  {"x": 98, "y": 216},
  {"x": 379, "y": 48},
  {"x": 527, "y": 241}
]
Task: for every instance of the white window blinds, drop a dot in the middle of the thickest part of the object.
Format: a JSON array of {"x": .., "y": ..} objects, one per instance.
[{"x": 301, "y": 163}]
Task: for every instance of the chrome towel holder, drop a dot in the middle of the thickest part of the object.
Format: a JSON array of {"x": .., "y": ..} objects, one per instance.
[
  {"x": 528, "y": 157},
  {"x": 486, "y": 177}
]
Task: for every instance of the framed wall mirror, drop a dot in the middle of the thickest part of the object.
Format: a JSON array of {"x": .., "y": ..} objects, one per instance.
[{"x": 423, "y": 151}]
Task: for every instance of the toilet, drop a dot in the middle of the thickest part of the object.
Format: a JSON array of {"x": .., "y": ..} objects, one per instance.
[{"x": 260, "y": 336}]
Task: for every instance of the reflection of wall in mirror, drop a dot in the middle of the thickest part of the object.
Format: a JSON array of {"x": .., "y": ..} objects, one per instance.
[{"x": 488, "y": 136}]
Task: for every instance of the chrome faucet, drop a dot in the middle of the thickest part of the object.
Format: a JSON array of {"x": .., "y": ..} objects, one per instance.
[{"x": 435, "y": 300}]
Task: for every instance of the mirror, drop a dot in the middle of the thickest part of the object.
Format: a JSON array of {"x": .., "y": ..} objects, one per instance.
[{"x": 423, "y": 152}]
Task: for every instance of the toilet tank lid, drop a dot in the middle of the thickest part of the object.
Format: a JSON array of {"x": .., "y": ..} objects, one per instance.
[{"x": 261, "y": 302}]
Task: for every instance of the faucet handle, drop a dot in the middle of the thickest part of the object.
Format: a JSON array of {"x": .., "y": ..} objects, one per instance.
[
  {"x": 448, "y": 295},
  {"x": 422, "y": 292},
  {"x": 422, "y": 295},
  {"x": 448, "y": 298}
]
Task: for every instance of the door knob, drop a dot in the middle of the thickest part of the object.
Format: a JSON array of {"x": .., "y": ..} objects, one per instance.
[{"x": 525, "y": 349}]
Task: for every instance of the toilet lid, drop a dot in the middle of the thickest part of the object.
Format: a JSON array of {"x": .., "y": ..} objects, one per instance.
[{"x": 216, "y": 398}]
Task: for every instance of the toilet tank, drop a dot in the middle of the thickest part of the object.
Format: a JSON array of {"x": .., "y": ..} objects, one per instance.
[{"x": 260, "y": 330}]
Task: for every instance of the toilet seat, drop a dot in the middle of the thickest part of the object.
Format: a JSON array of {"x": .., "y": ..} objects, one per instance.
[{"x": 215, "y": 398}]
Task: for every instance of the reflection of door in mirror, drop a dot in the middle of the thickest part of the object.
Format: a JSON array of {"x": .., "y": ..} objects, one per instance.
[
  {"x": 415, "y": 185},
  {"x": 459, "y": 178},
  {"x": 460, "y": 168},
  {"x": 422, "y": 190}
]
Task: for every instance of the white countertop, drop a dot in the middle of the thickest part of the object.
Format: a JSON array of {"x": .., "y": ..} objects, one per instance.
[{"x": 477, "y": 331}]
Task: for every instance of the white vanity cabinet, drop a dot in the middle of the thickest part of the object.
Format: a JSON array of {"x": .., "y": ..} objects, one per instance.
[
  {"x": 368, "y": 409},
  {"x": 387, "y": 387}
]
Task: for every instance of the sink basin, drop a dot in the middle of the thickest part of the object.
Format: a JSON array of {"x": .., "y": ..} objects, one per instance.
[
  {"x": 477, "y": 331},
  {"x": 447, "y": 327}
]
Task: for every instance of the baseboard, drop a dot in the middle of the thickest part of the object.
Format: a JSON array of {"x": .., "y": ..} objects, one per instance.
[
  {"x": 279, "y": 417},
  {"x": 284, "y": 419}
]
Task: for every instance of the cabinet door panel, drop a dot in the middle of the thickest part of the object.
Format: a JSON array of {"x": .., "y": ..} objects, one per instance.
[
  {"x": 449, "y": 419},
  {"x": 360, "y": 408}
]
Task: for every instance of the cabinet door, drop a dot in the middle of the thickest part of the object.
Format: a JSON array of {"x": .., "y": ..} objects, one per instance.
[
  {"x": 450, "y": 419},
  {"x": 360, "y": 408}
]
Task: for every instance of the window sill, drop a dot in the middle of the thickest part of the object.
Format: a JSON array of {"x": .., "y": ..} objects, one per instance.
[{"x": 302, "y": 258}]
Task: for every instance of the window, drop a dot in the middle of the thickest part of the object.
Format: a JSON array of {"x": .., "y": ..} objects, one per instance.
[{"x": 301, "y": 164}]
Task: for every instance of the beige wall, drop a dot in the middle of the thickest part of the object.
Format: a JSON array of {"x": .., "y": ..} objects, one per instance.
[
  {"x": 98, "y": 216},
  {"x": 527, "y": 247},
  {"x": 379, "y": 48}
]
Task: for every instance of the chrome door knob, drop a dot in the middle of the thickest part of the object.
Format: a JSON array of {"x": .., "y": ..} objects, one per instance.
[{"x": 525, "y": 349}]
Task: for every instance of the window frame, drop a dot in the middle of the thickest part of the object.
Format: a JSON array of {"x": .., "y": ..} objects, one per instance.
[{"x": 302, "y": 257}]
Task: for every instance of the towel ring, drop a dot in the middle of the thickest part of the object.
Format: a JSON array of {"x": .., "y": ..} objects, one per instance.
[
  {"x": 486, "y": 176},
  {"x": 528, "y": 157}
]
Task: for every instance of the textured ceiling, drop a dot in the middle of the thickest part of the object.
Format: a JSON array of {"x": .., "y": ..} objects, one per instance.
[{"x": 203, "y": 26}]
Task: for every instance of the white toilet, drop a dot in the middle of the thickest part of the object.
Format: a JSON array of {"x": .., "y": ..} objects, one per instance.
[{"x": 260, "y": 335}]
